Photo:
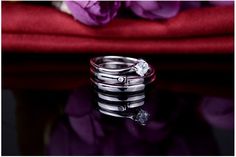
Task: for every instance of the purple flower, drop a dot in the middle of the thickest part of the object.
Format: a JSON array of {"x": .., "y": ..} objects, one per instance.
[
  {"x": 190, "y": 4},
  {"x": 154, "y": 9},
  {"x": 219, "y": 112},
  {"x": 221, "y": 3},
  {"x": 94, "y": 13}
]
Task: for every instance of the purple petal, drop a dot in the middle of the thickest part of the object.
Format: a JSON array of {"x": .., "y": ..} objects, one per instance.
[
  {"x": 64, "y": 141},
  {"x": 79, "y": 103},
  {"x": 80, "y": 13},
  {"x": 154, "y": 9},
  {"x": 218, "y": 111},
  {"x": 149, "y": 5},
  {"x": 83, "y": 4},
  {"x": 221, "y": 3},
  {"x": 59, "y": 141},
  {"x": 190, "y": 4},
  {"x": 93, "y": 13},
  {"x": 168, "y": 9},
  {"x": 83, "y": 128}
]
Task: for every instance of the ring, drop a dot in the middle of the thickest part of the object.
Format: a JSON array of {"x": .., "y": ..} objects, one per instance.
[
  {"x": 119, "y": 83},
  {"x": 127, "y": 64}
]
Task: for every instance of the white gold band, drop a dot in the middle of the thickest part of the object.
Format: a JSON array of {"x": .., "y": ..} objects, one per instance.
[{"x": 120, "y": 83}]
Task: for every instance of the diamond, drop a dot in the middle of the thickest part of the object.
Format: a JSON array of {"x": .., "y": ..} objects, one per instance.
[
  {"x": 141, "y": 67},
  {"x": 121, "y": 79},
  {"x": 142, "y": 117},
  {"x": 121, "y": 108}
]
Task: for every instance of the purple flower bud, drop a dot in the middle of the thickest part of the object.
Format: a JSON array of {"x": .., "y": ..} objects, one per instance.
[
  {"x": 94, "y": 13},
  {"x": 154, "y": 9}
]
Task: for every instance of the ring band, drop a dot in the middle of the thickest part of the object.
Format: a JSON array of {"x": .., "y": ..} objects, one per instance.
[
  {"x": 123, "y": 79},
  {"x": 116, "y": 99}
]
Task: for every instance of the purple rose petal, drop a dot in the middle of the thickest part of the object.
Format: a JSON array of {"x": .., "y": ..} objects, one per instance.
[
  {"x": 221, "y": 3},
  {"x": 64, "y": 141},
  {"x": 59, "y": 141},
  {"x": 79, "y": 103},
  {"x": 154, "y": 9},
  {"x": 84, "y": 128},
  {"x": 218, "y": 112},
  {"x": 94, "y": 13},
  {"x": 190, "y": 4},
  {"x": 87, "y": 128}
]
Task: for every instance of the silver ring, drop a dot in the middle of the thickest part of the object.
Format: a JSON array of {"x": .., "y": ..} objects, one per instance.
[
  {"x": 119, "y": 83},
  {"x": 132, "y": 65}
]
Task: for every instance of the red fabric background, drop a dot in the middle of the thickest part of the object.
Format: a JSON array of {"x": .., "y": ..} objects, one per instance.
[
  {"x": 35, "y": 19},
  {"x": 35, "y": 28},
  {"x": 31, "y": 43}
]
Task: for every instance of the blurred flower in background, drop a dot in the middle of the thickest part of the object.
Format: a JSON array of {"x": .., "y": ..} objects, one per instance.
[
  {"x": 218, "y": 112},
  {"x": 221, "y": 3},
  {"x": 98, "y": 13},
  {"x": 94, "y": 13},
  {"x": 154, "y": 9},
  {"x": 190, "y": 4}
]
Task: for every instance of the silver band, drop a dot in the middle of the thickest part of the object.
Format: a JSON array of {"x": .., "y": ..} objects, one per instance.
[
  {"x": 116, "y": 88},
  {"x": 120, "y": 83},
  {"x": 123, "y": 79},
  {"x": 99, "y": 61},
  {"x": 116, "y": 99},
  {"x": 120, "y": 108}
]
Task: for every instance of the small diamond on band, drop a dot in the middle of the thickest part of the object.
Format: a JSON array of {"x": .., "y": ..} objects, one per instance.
[{"x": 121, "y": 79}]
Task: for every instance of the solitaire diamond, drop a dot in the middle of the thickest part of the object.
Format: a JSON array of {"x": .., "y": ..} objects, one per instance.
[
  {"x": 142, "y": 117},
  {"x": 141, "y": 67}
]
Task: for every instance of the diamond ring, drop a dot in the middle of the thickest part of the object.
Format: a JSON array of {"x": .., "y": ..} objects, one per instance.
[
  {"x": 119, "y": 83},
  {"x": 109, "y": 64}
]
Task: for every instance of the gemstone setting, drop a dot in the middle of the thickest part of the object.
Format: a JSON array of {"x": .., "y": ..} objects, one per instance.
[
  {"x": 121, "y": 79},
  {"x": 142, "y": 117},
  {"x": 141, "y": 67}
]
